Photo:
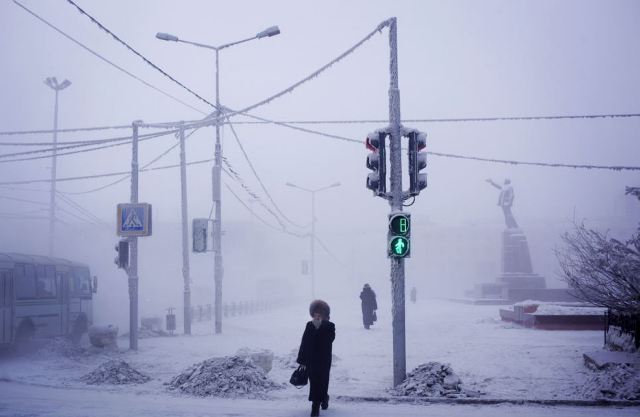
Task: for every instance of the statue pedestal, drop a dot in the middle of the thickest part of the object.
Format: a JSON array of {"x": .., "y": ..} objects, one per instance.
[{"x": 517, "y": 271}]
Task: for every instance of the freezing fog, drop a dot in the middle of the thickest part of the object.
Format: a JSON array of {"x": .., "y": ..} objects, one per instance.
[{"x": 458, "y": 60}]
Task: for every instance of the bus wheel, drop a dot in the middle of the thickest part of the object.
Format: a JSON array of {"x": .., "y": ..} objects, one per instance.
[
  {"x": 80, "y": 327},
  {"x": 24, "y": 337}
]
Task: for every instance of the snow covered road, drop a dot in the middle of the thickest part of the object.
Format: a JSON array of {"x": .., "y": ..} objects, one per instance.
[{"x": 17, "y": 399}]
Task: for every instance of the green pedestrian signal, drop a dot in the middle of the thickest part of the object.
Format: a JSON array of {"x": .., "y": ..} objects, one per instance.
[{"x": 399, "y": 247}]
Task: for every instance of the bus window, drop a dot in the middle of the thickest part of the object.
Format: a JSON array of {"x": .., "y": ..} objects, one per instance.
[
  {"x": 46, "y": 282},
  {"x": 8, "y": 290},
  {"x": 81, "y": 281},
  {"x": 25, "y": 282}
]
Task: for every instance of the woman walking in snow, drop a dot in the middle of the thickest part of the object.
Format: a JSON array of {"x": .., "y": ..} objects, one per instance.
[
  {"x": 315, "y": 354},
  {"x": 369, "y": 306}
]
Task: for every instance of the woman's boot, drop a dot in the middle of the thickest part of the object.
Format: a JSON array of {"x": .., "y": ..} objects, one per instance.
[{"x": 315, "y": 409}]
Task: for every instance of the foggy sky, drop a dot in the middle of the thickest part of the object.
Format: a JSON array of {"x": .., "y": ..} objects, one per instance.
[{"x": 456, "y": 59}]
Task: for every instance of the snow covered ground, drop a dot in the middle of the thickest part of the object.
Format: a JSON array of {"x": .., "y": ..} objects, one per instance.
[{"x": 498, "y": 359}]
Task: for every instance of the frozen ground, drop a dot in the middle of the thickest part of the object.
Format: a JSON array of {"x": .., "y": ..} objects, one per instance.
[
  {"x": 499, "y": 359},
  {"x": 18, "y": 400}
]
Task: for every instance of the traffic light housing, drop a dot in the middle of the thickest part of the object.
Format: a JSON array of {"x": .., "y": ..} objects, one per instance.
[
  {"x": 122, "y": 258},
  {"x": 417, "y": 162},
  {"x": 399, "y": 236},
  {"x": 376, "y": 162},
  {"x": 200, "y": 233}
]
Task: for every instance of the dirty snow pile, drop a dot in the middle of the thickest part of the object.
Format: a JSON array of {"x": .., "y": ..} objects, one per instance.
[
  {"x": 615, "y": 382},
  {"x": 232, "y": 376},
  {"x": 115, "y": 372},
  {"x": 432, "y": 379},
  {"x": 59, "y": 346}
]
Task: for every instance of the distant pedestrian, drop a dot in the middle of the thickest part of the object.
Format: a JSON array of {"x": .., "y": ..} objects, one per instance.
[
  {"x": 413, "y": 295},
  {"x": 315, "y": 354},
  {"x": 369, "y": 306}
]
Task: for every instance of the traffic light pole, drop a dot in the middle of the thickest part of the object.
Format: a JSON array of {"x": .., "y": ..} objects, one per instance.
[
  {"x": 395, "y": 202},
  {"x": 132, "y": 271},
  {"x": 185, "y": 235}
]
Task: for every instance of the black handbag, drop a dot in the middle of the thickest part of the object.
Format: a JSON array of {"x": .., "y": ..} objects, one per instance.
[{"x": 299, "y": 377}]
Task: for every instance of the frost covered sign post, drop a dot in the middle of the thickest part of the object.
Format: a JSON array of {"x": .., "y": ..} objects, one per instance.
[{"x": 398, "y": 237}]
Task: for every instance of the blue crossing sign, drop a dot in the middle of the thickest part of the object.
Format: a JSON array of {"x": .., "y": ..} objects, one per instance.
[{"x": 134, "y": 219}]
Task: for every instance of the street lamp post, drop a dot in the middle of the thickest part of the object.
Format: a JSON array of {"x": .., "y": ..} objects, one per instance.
[
  {"x": 217, "y": 169},
  {"x": 312, "y": 236},
  {"x": 52, "y": 82}
]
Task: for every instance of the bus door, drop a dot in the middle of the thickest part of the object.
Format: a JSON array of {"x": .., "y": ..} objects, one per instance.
[
  {"x": 6, "y": 307},
  {"x": 63, "y": 283}
]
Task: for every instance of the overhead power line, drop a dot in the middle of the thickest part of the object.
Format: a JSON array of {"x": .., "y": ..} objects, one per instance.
[
  {"x": 105, "y": 59},
  {"x": 147, "y": 61},
  {"x": 450, "y": 120},
  {"x": 2, "y": 161},
  {"x": 255, "y": 173}
]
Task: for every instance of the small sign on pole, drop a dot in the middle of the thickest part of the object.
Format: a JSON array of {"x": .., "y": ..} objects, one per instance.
[{"x": 134, "y": 219}]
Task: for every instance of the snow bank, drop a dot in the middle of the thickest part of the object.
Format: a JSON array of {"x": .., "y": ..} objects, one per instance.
[
  {"x": 619, "y": 340},
  {"x": 262, "y": 357},
  {"x": 619, "y": 382},
  {"x": 116, "y": 372},
  {"x": 59, "y": 346},
  {"x": 230, "y": 377},
  {"x": 432, "y": 379}
]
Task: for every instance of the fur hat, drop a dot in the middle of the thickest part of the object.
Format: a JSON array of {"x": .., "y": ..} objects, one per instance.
[{"x": 319, "y": 306}]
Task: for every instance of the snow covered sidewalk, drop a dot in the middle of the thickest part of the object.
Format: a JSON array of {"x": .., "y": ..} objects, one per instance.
[{"x": 35, "y": 401}]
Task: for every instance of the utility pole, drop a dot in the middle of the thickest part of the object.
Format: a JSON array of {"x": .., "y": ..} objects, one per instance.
[
  {"x": 185, "y": 235},
  {"x": 52, "y": 82},
  {"x": 312, "y": 236},
  {"x": 218, "y": 271},
  {"x": 395, "y": 202},
  {"x": 133, "y": 247}
]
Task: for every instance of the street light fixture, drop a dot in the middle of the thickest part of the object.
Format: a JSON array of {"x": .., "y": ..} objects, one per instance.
[
  {"x": 52, "y": 82},
  {"x": 217, "y": 170},
  {"x": 312, "y": 236}
]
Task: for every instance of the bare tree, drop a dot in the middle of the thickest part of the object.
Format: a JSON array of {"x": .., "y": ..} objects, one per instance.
[{"x": 602, "y": 270}]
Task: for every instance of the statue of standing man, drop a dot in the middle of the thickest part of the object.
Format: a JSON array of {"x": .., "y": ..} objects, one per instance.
[{"x": 505, "y": 200}]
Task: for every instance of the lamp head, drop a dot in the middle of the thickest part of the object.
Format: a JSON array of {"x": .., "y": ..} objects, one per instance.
[
  {"x": 271, "y": 31},
  {"x": 166, "y": 37}
]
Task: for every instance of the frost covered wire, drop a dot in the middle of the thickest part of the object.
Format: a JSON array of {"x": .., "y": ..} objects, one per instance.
[
  {"x": 540, "y": 164},
  {"x": 263, "y": 221},
  {"x": 326, "y": 249},
  {"x": 150, "y": 136},
  {"x": 146, "y": 61},
  {"x": 80, "y": 144},
  {"x": 22, "y": 200},
  {"x": 316, "y": 73},
  {"x": 255, "y": 173},
  {"x": 88, "y": 177},
  {"x": 125, "y": 177},
  {"x": 105, "y": 59},
  {"x": 465, "y": 157},
  {"x": 83, "y": 211},
  {"x": 234, "y": 175},
  {"x": 449, "y": 120},
  {"x": 76, "y": 129},
  {"x": 289, "y": 89}
]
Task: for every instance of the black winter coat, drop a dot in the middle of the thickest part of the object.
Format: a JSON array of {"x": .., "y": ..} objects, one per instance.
[
  {"x": 369, "y": 304},
  {"x": 315, "y": 354}
]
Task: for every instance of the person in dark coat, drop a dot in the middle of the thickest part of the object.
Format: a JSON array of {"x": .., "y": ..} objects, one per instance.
[
  {"x": 369, "y": 305},
  {"x": 413, "y": 295},
  {"x": 315, "y": 354}
]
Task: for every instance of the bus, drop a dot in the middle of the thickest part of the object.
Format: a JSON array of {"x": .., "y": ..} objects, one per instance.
[{"x": 43, "y": 297}]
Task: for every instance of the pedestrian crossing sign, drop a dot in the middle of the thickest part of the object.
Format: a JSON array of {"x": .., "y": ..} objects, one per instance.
[{"x": 134, "y": 219}]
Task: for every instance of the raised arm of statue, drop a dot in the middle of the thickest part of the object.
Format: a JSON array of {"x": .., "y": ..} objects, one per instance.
[{"x": 490, "y": 181}]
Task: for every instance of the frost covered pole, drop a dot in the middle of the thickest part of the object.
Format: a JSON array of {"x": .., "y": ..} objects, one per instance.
[
  {"x": 395, "y": 201},
  {"x": 218, "y": 271},
  {"x": 53, "y": 83},
  {"x": 133, "y": 248},
  {"x": 185, "y": 235}
]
